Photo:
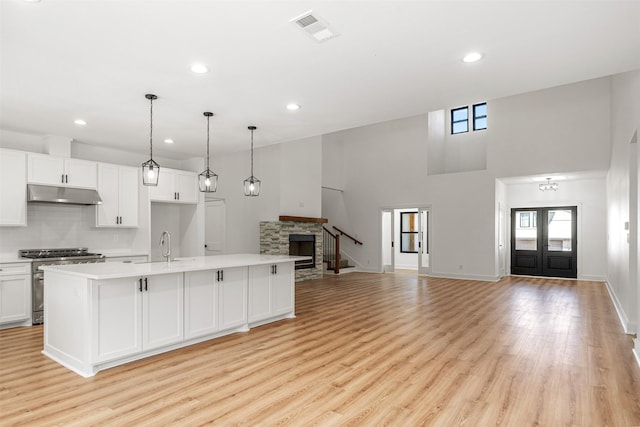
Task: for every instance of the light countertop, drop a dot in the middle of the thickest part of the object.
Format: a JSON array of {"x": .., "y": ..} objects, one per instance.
[
  {"x": 116, "y": 270},
  {"x": 11, "y": 260}
]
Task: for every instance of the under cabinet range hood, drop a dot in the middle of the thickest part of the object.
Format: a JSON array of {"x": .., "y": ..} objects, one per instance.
[{"x": 72, "y": 196}]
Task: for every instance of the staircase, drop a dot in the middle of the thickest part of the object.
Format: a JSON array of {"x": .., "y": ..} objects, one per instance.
[{"x": 334, "y": 263}]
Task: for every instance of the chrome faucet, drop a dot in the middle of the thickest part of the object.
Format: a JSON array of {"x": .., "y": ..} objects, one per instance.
[{"x": 168, "y": 246}]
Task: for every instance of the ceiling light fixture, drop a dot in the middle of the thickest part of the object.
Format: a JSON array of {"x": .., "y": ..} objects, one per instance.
[
  {"x": 252, "y": 184},
  {"x": 80, "y": 122},
  {"x": 472, "y": 57},
  {"x": 199, "y": 68},
  {"x": 169, "y": 141},
  {"x": 293, "y": 107},
  {"x": 208, "y": 180},
  {"x": 548, "y": 186},
  {"x": 150, "y": 169}
]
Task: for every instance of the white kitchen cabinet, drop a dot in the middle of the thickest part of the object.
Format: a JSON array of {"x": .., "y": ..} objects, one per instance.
[
  {"x": 118, "y": 188},
  {"x": 132, "y": 315},
  {"x": 13, "y": 188},
  {"x": 15, "y": 293},
  {"x": 61, "y": 171},
  {"x": 175, "y": 186},
  {"x": 232, "y": 297},
  {"x": 271, "y": 291},
  {"x": 201, "y": 303}
]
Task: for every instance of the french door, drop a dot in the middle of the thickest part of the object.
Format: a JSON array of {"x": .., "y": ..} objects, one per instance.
[{"x": 543, "y": 241}]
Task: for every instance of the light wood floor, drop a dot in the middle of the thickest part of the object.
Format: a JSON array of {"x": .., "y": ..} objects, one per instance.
[{"x": 365, "y": 349}]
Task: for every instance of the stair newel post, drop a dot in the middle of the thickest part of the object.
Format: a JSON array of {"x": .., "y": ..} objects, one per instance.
[{"x": 337, "y": 266}]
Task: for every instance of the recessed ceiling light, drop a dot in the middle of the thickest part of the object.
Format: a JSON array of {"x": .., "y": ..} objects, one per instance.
[
  {"x": 168, "y": 141},
  {"x": 472, "y": 57},
  {"x": 199, "y": 68},
  {"x": 80, "y": 122},
  {"x": 293, "y": 107}
]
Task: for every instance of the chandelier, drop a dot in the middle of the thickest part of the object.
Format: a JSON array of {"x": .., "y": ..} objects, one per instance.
[{"x": 548, "y": 186}]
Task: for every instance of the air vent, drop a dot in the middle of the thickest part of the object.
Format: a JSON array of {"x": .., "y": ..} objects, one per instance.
[{"x": 314, "y": 26}]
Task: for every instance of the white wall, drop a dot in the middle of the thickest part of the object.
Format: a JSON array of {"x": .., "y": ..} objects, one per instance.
[
  {"x": 625, "y": 122},
  {"x": 561, "y": 129},
  {"x": 301, "y": 178},
  {"x": 388, "y": 164},
  {"x": 590, "y": 197}
]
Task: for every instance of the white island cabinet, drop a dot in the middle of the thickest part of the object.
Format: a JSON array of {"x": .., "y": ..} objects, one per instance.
[{"x": 107, "y": 314}]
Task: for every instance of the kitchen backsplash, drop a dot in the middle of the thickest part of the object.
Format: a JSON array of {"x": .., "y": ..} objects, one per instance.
[{"x": 61, "y": 226}]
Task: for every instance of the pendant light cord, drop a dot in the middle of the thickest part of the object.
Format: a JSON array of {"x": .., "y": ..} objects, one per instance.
[
  {"x": 151, "y": 130},
  {"x": 252, "y": 154},
  {"x": 208, "y": 117}
]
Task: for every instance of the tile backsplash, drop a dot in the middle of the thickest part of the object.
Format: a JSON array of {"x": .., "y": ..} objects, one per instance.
[{"x": 61, "y": 226}]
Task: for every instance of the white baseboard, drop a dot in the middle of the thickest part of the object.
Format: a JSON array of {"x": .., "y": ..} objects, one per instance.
[
  {"x": 636, "y": 350},
  {"x": 628, "y": 327},
  {"x": 589, "y": 278}
]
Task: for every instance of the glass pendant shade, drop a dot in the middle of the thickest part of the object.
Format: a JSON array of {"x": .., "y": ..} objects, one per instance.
[
  {"x": 252, "y": 184},
  {"x": 150, "y": 173},
  {"x": 150, "y": 169},
  {"x": 208, "y": 180}
]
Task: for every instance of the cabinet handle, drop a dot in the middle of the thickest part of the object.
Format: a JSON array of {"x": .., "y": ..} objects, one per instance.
[
  {"x": 275, "y": 269},
  {"x": 140, "y": 284},
  {"x": 146, "y": 288},
  {"x": 218, "y": 276},
  {"x": 66, "y": 178},
  {"x": 222, "y": 275},
  {"x": 62, "y": 178},
  {"x": 178, "y": 195}
]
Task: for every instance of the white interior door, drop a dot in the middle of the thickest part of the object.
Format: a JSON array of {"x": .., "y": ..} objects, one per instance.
[
  {"x": 214, "y": 227},
  {"x": 388, "y": 259},
  {"x": 423, "y": 242}
]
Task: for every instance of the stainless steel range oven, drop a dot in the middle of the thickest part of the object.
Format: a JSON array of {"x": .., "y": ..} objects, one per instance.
[{"x": 56, "y": 256}]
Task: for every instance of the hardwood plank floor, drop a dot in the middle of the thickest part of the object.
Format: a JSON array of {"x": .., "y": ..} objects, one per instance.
[{"x": 364, "y": 349}]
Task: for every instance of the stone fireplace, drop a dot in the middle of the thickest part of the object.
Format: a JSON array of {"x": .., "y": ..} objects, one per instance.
[{"x": 301, "y": 235}]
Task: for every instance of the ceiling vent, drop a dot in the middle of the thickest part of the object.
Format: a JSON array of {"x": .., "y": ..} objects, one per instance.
[{"x": 316, "y": 27}]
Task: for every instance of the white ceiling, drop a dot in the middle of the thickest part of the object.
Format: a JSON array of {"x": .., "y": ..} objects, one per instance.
[{"x": 96, "y": 59}]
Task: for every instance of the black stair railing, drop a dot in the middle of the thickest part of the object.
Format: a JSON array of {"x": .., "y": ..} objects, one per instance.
[{"x": 331, "y": 250}]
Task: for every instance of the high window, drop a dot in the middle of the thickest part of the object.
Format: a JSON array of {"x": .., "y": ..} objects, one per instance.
[
  {"x": 460, "y": 120},
  {"x": 480, "y": 116},
  {"x": 409, "y": 232}
]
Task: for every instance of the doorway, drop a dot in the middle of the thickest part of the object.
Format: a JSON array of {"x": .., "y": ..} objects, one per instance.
[
  {"x": 405, "y": 240},
  {"x": 543, "y": 241}
]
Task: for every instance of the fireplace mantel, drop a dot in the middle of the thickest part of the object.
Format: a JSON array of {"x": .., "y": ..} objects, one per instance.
[{"x": 303, "y": 219}]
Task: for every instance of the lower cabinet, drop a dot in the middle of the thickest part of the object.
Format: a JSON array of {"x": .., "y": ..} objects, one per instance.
[
  {"x": 232, "y": 302},
  {"x": 215, "y": 300},
  {"x": 270, "y": 291},
  {"x": 15, "y": 294},
  {"x": 136, "y": 314},
  {"x": 201, "y": 303}
]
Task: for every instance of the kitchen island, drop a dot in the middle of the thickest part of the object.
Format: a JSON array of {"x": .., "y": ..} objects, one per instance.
[{"x": 97, "y": 316}]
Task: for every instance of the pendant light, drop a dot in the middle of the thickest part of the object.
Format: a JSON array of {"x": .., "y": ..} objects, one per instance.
[
  {"x": 252, "y": 184},
  {"x": 208, "y": 180},
  {"x": 150, "y": 169}
]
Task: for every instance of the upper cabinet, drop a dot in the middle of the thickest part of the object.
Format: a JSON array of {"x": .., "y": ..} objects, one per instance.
[
  {"x": 51, "y": 170},
  {"x": 13, "y": 188},
  {"x": 118, "y": 188},
  {"x": 175, "y": 186}
]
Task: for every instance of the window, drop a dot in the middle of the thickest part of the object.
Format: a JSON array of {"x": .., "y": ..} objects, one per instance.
[
  {"x": 460, "y": 120},
  {"x": 409, "y": 232},
  {"x": 528, "y": 219},
  {"x": 480, "y": 116}
]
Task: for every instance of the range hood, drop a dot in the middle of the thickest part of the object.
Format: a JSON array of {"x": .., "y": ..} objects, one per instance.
[{"x": 73, "y": 196}]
